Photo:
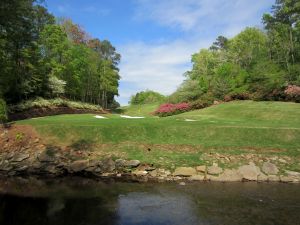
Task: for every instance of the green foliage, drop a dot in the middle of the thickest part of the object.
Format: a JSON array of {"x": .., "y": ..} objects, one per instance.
[
  {"x": 189, "y": 90},
  {"x": 146, "y": 97},
  {"x": 42, "y": 59},
  {"x": 3, "y": 111},
  {"x": 254, "y": 64}
]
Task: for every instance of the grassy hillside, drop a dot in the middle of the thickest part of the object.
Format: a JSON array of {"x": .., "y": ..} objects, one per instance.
[
  {"x": 139, "y": 110},
  {"x": 267, "y": 128}
]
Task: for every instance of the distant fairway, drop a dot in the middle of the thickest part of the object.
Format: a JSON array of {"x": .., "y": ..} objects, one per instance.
[{"x": 231, "y": 128}]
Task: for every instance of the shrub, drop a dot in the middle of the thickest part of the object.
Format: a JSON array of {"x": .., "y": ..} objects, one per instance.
[
  {"x": 189, "y": 90},
  {"x": 293, "y": 93},
  {"x": 172, "y": 109},
  {"x": 48, "y": 103},
  {"x": 3, "y": 112},
  {"x": 146, "y": 97}
]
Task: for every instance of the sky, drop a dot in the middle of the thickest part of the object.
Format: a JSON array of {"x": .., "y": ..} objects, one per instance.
[{"x": 156, "y": 38}]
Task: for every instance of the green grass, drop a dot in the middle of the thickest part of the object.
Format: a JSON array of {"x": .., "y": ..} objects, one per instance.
[
  {"x": 270, "y": 128},
  {"x": 140, "y": 110}
]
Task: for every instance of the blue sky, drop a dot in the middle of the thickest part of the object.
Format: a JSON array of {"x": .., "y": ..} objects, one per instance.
[{"x": 156, "y": 38}]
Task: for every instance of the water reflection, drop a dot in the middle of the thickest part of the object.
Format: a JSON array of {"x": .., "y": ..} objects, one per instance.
[{"x": 86, "y": 202}]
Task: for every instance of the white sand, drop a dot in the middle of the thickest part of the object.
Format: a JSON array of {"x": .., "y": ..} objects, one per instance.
[
  {"x": 132, "y": 117},
  {"x": 100, "y": 117},
  {"x": 189, "y": 120}
]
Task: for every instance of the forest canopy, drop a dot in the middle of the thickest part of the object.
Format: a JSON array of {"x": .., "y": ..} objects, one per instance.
[
  {"x": 255, "y": 64},
  {"x": 42, "y": 56}
]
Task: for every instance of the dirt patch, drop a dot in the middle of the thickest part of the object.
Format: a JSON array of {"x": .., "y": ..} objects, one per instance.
[
  {"x": 17, "y": 137},
  {"x": 40, "y": 112}
]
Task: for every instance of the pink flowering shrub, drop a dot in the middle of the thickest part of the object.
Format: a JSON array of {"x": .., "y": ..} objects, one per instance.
[
  {"x": 172, "y": 109},
  {"x": 293, "y": 93}
]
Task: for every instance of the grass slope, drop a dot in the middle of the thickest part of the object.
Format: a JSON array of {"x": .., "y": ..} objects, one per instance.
[
  {"x": 230, "y": 128},
  {"x": 139, "y": 110}
]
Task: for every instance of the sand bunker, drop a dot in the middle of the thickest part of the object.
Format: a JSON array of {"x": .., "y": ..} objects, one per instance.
[
  {"x": 132, "y": 117},
  {"x": 189, "y": 120},
  {"x": 100, "y": 117}
]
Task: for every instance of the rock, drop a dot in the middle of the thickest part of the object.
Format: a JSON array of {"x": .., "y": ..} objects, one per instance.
[
  {"x": 249, "y": 172},
  {"x": 132, "y": 163},
  {"x": 5, "y": 165},
  {"x": 21, "y": 168},
  {"x": 269, "y": 168},
  {"x": 273, "y": 178},
  {"x": 184, "y": 171},
  {"x": 282, "y": 161},
  {"x": 262, "y": 177},
  {"x": 292, "y": 173},
  {"x": 153, "y": 173},
  {"x": 79, "y": 165},
  {"x": 120, "y": 163},
  {"x": 140, "y": 173},
  {"x": 289, "y": 179},
  {"x": 44, "y": 157},
  {"x": 182, "y": 183},
  {"x": 214, "y": 169},
  {"x": 201, "y": 169},
  {"x": 196, "y": 178},
  {"x": 19, "y": 157},
  {"x": 230, "y": 176},
  {"x": 108, "y": 165}
]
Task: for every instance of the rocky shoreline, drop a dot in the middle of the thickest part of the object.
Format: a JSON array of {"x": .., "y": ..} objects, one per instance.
[
  {"x": 22, "y": 153},
  {"x": 57, "y": 165}
]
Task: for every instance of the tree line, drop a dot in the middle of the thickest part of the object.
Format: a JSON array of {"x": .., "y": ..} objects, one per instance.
[
  {"x": 42, "y": 56},
  {"x": 261, "y": 64}
]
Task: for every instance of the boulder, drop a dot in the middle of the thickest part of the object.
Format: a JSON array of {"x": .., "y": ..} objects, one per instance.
[
  {"x": 262, "y": 177},
  {"x": 196, "y": 178},
  {"x": 214, "y": 169},
  {"x": 120, "y": 163},
  {"x": 20, "y": 157},
  {"x": 108, "y": 165},
  {"x": 230, "y": 176},
  {"x": 139, "y": 173},
  {"x": 269, "y": 168},
  {"x": 249, "y": 172},
  {"x": 290, "y": 179},
  {"x": 185, "y": 171},
  {"x": 5, "y": 166},
  {"x": 292, "y": 173},
  {"x": 201, "y": 169},
  {"x": 132, "y": 163},
  {"x": 44, "y": 157},
  {"x": 273, "y": 178},
  {"x": 79, "y": 165}
]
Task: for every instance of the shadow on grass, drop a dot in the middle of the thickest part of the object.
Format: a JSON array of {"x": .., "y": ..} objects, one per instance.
[{"x": 82, "y": 145}]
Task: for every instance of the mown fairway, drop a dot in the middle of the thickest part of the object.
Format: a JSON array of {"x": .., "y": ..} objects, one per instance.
[{"x": 233, "y": 128}]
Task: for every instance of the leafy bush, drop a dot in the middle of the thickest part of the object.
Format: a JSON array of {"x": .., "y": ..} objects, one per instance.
[
  {"x": 293, "y": 93},
  {"x": 201, "y": 103},
  {"x": 146, "y": 97},
  {"x": 189, "y": 90},
  {"x": 3, "y": 112},
  {"x": 172, "y": 109},
  {"x": 48, "y": 103}
]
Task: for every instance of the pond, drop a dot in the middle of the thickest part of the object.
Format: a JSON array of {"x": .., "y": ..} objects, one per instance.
[{"x": 77, "y": 201}]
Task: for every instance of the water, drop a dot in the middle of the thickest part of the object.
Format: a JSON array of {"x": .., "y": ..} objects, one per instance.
[{"x": 77, "y": 201}]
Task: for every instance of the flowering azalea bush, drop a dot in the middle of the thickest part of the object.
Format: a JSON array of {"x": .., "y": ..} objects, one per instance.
[
  {"x": 172, "y": 109},
  {"x": 292, "y": 93}
]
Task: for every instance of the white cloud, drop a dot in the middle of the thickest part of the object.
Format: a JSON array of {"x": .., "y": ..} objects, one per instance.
[
  {"x": 160, "y": 66},
  {"x": 157, "y": 66},
  {"x": 199, "y": 14}
]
